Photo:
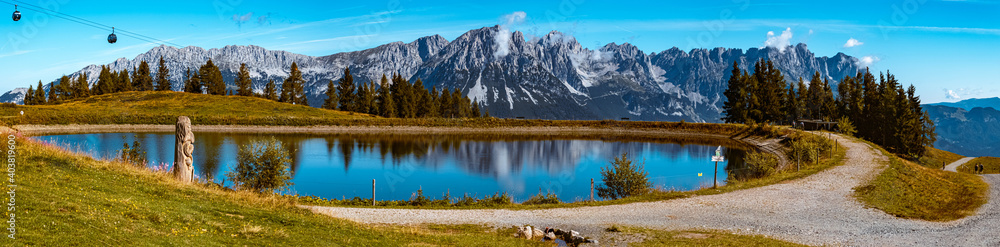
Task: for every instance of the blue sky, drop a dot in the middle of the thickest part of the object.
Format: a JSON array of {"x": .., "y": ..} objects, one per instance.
[{"x": 949, "y": 49}]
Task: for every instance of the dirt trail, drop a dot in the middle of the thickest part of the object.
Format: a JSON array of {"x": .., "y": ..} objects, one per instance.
[
  {"x": 816, "y": 210},
  {"x": 953, "y": 167}
]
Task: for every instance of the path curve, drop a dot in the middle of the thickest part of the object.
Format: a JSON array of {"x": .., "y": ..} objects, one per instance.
[
  {"x": 816, "y": 210},
  {"x": 953, "y": 167}
]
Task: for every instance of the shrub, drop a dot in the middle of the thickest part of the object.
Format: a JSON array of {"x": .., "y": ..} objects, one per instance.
[
  {"x": 623, "y": 179},
  {"x": 132, "y": 155},
  {"x": 761, "y": 164},
  {"x": 418, "y": 199},
  {"x": 846, "y": 127},
  {"x": 547, "y": 198},
  {"x": 262, "y": 166}
]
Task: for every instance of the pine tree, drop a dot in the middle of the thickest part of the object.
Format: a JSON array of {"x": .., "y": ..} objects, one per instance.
[
  {"x": 163, "y": 76},
  {"x": 29, "y": 97},
  {"x": 40, "y": 94},
  {"x": 332, "y": 99},
  {"x": 345, "y": 89},
  {"x": 829, "y": 107},
  {"x": 124, "y": 82},
  {"x": 737, "y": 105},
  {"x": 385, "y": 99},
  {"x": 103, "y": 85},
  {"x": 814, "y": 100},
  {"x": 270, "y": 91},
  {"x": 422, "y": 99},
  {"x": 363, "y": 102},
  {"x": 143, "y": 78},
  {"x": 243, "y": 81},
  {"x": 64, "y": 89},
  {"x": 192, "y": 83},
  {"x": 447, "y": 109},
  {"x": 434, "y": 109},
  {"x": 211, "y": 77},
  {"x": 792, "y": 103},
  {"x": 475, "y": 110},
  {"x": 82, "y": 86},
  {"x": 292, "y": 90}
]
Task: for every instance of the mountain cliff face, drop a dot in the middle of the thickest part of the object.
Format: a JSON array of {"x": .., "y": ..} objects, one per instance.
[{"x": 551, "y": 77}]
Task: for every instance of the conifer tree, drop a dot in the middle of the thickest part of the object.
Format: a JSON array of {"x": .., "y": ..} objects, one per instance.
[
  {"x": 385, "y": 99},
  {"x": 332, "y": 97},
  {"x": 124, "y": 82},
  {"x": 445, "y": 101},
  {"x": 737, "y": 105},
  {"x": 345, "y": 90},
  {"x": 211, "y": 77},
  {"x": 434, "y": 109},
  {"x": 103, "y": 85},
  {"x": 40, "y": 94},
  {"x": 243, "y": 81},
  {"x": 475, "y": 110},
  {"x": 192, "y": 83},
  {"x": 792, "y": 103},
  {"x": 292, "y": 89},
  {"x": 270, "y": 91},
  {"x": 163, "y": 76},
  {"x": 29, "y": 97},
  {"x": 363, "y": 102},
  {"x": 82, "y": 86},
  {"x": 142, "y": 79},
  {"x": 63, "y": 90}
]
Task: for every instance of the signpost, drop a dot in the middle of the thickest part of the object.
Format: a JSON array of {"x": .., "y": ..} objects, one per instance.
[{"x": 718, "y": 157}]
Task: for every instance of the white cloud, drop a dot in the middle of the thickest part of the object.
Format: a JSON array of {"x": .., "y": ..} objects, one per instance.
[
  {"x": 781, "y": 42},
  {"x": 242, "y": 19},
  {"x": 951, "y": 94},
  {"x": 852, "y": 43},
  {"x": 867, "y": 61},
  {"x": 501, "y": 42}
]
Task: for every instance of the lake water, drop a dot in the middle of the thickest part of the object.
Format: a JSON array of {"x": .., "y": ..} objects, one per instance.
[{"x": 343, "y": 166}]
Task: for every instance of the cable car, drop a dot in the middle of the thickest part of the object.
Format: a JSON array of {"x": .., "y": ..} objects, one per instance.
[
  {"x": 17, "y": 14},
  {"x": 112, "y": 38}
]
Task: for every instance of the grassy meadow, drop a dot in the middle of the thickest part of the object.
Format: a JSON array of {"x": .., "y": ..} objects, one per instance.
[
  {"x": 912, "y": 191},
  {"x": 991, "y": 165}
]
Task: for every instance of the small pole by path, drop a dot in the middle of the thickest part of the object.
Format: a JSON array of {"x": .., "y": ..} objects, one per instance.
[
  {"x": 591, "y": 189},
  {"x": 373, "y": 192},
  {"x": 715, "y": 179}
]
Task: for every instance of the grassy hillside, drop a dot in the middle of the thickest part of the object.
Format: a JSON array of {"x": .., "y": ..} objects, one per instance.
[
  {"x": 908, "y": 190},
  {"x": 164, "y": 107},
  {"x": 66, "y": 199},
  {"x": 936, "y": 158},
  {"x": 991, "y": 165}
]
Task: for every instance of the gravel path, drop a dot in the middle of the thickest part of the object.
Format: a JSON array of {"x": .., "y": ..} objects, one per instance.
[
  {"x": 816, "y": 210},
  {"x": 953, "y": 167}
]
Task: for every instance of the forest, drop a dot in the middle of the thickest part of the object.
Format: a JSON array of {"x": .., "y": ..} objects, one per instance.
[{"x": 881, "y": 110}]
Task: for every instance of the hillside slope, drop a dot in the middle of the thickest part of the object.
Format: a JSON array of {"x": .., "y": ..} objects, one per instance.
[{"x": 164, "y": 107}]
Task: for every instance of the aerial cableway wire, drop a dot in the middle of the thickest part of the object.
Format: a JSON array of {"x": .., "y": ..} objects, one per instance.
[{"x": 90, "y": 23}]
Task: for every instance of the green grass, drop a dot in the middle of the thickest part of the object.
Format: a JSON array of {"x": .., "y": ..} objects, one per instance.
[
  {"x": 698, "y": 238},
  {"x": 69, "y": 199},
  {"x": 908, "y": 190},
  {"x": 936, "y": 158},
  {"x": 991, "y": 165},
  {"x": 828, "y": 159}
]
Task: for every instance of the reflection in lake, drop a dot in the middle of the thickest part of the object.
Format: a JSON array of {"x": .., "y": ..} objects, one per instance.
[{"x": 339, "y": 166}]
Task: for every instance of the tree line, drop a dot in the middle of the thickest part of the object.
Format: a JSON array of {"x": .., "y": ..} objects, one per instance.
[
  {"x": 400, "y": 99},
  {"x": 882, "y": 110}
]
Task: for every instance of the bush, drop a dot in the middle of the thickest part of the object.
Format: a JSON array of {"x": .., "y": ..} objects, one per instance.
[
  {"x": 761, "y": 164},
  {"x": 539, "y": 199},
  {"x": 132, "y": 155},
  {"x": 623, "y": 179},
  {"x": 846, "y": 127},
  {"x": 262, "y": 166}
]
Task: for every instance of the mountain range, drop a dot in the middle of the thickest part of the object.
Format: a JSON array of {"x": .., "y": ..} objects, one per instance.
[
  {"x": 969, "y": 127},
  {"x": 550, "y": 77}
]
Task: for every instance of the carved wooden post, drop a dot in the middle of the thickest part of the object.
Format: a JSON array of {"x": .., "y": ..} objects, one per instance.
[{"x": 183, "y": 148}]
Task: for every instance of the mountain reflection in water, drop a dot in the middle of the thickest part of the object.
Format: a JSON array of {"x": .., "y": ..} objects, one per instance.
[{"x": 339, "y": 166}]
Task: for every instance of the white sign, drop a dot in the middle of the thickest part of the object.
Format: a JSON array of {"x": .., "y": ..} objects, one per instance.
[{"x": 718, "y": 155}]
